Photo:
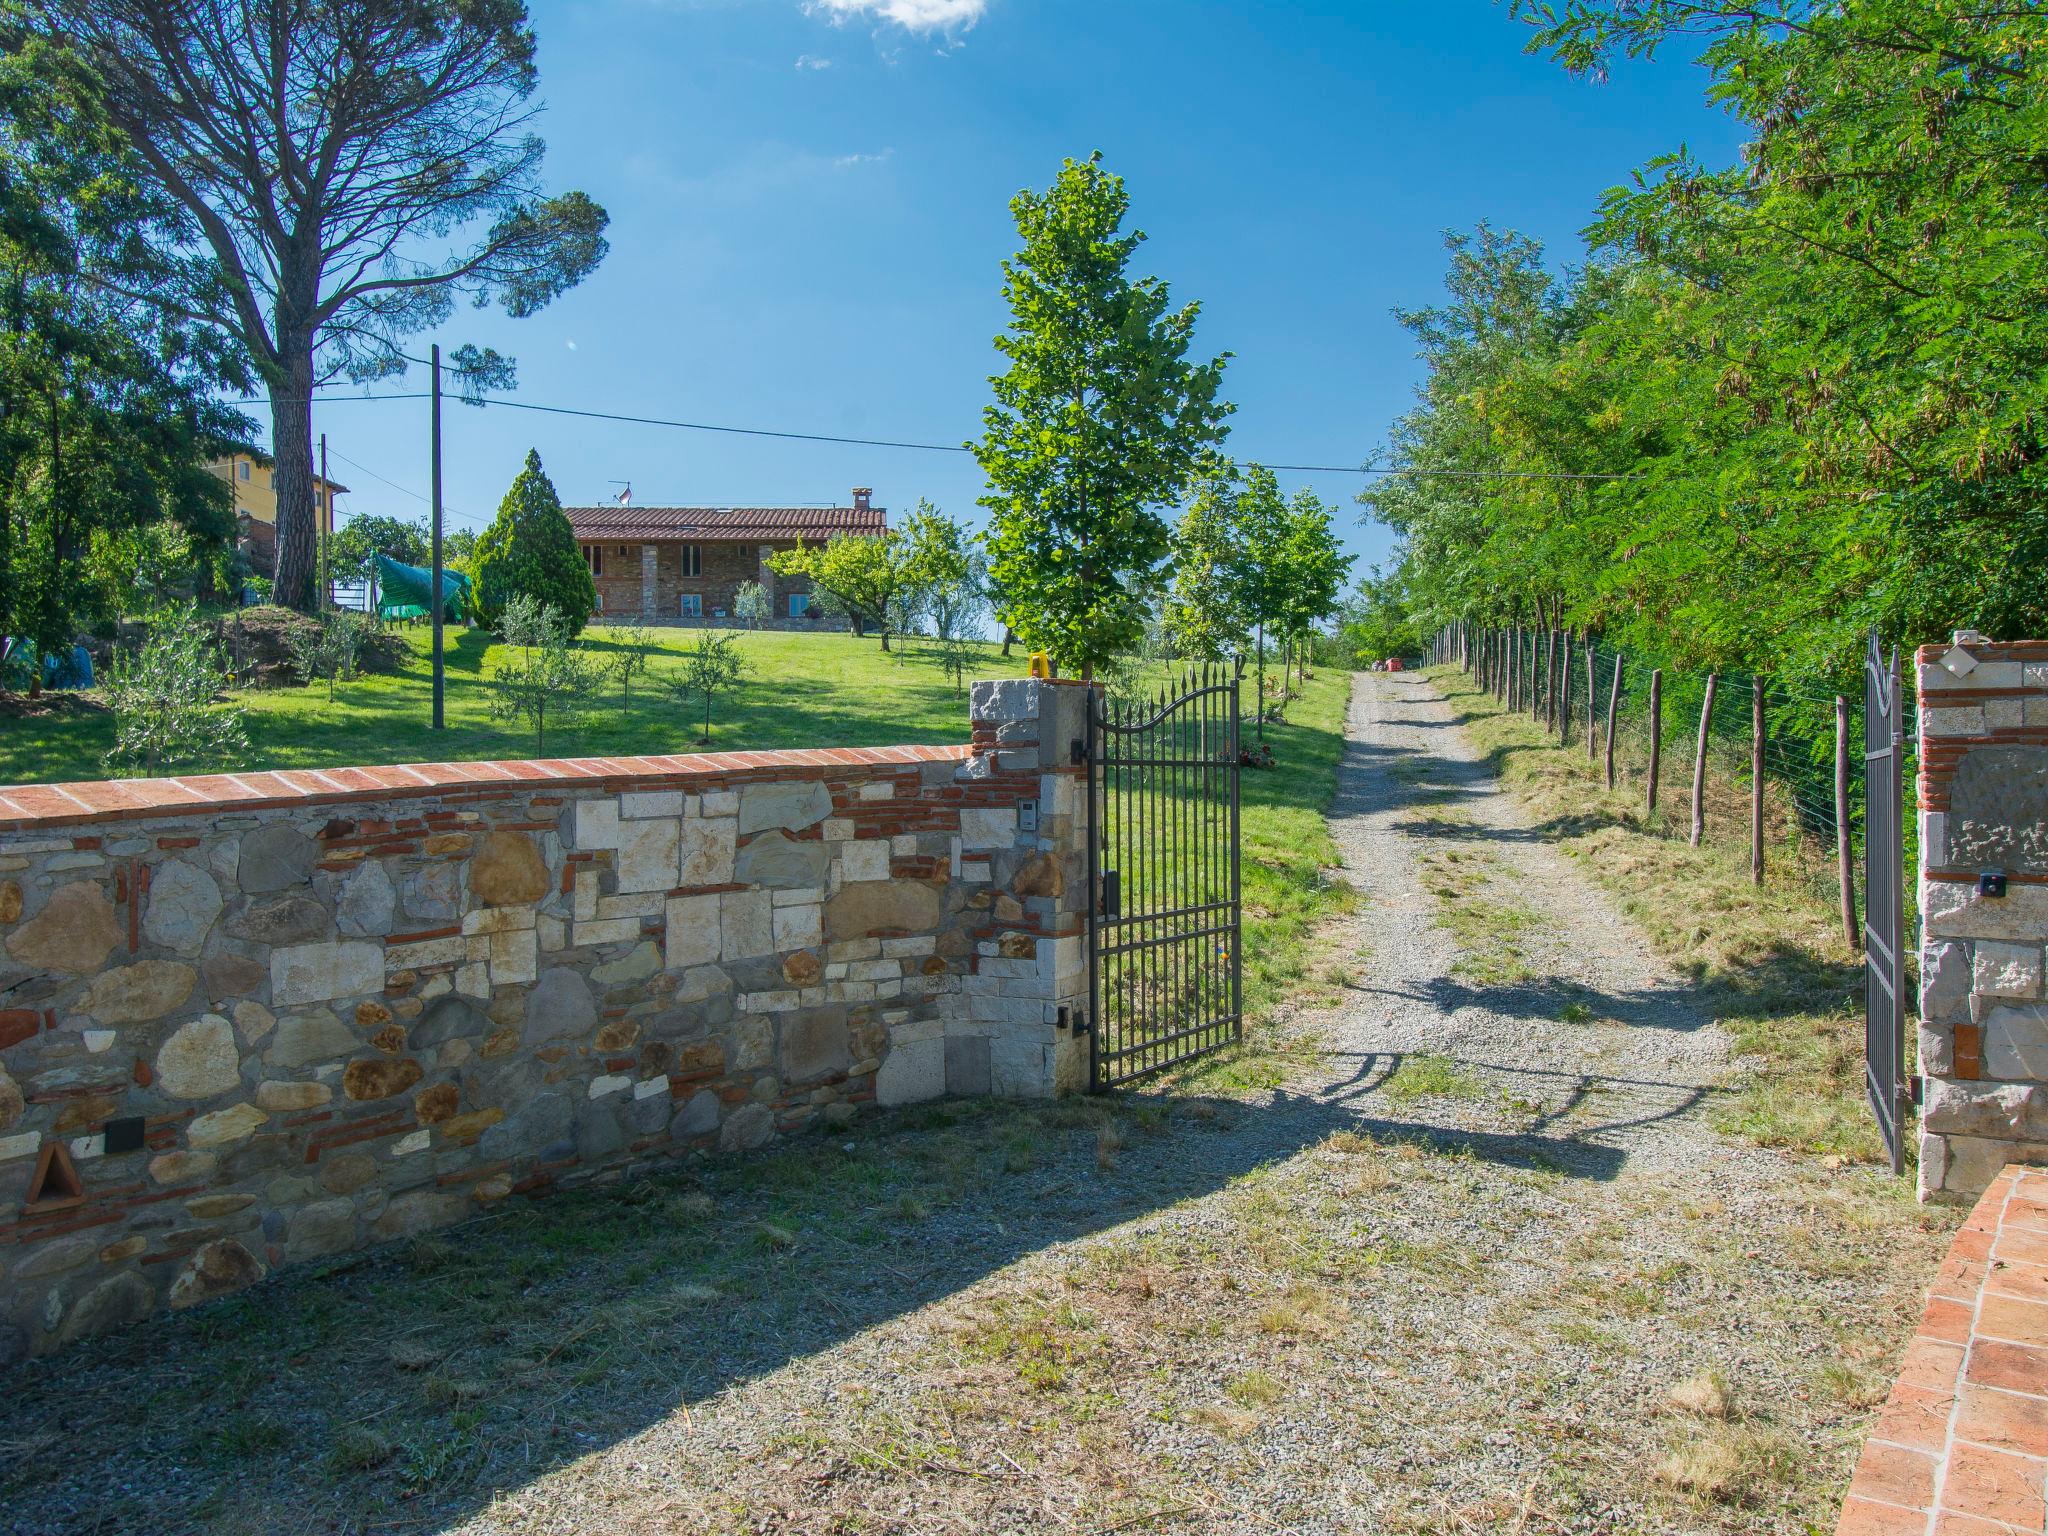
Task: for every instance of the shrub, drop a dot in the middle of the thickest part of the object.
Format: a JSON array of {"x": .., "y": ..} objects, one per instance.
[
  {"x": 750, "y": 604},
  {"x": 551, "y": 679},
  {"x": 711, "y": 667},
  {"x": 330, "y": 649},
  {"x": 530, "y": 551},
  {"x": 163, "y": 699}
]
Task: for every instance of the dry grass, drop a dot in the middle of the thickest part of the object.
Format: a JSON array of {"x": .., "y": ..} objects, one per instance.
[{"x": 1769, "y": 960}]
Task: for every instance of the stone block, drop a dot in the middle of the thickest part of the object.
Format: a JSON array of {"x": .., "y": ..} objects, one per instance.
[
  {"x": 745, "y": 925},
  {"x": 791, "y": 806},
  {"x": 969, "y": 1066},
  {"x": 184, "y": 904},
  {"x": 914, "y": 1070},
  {"x": 798, "y": 927},
  {"x": 813, "y": 1044},
  {"x": 1952, "y": 909},
  {"x": 515, "y": 957},
  {"x": 2016, "y": 1044},
  {"x": 200, "y": 1060},
  {"x": 2003, "y": 1110},
  {"x": 1020, "y": 1067},
  {"x": 597, "y": 824},
  {"x": 1945, "y": 975},
  {"x": 2001, "y": 969},
  {"x": 611, "y": 930},
  {"x": 304, "y": 1038},
  {"x": 859, "y": 909},
  {"x": 275, "y": 857},
  {"x": 706, "y": 849},
  {"x": 1954, "y": 720},
  {"x": 693, "y": 935},
  {"x": 76, "y": 931},
  {"x": 648, "y": 854},
  {"x": 149, "y": 989},
  {"x": 983, "y": 827},
  {"x": 368, "y": 903},
  {"x": 721, "y": 802},
  {"x": 1967, "y": 1166},
  {"x": 865, "y": 859},
  {"x": 639, "y": 805},
  {"x": 779, "y": 862},
  {"x": 559, "y": 1007},
  {"x": 881, "y": 789},
  {"x": 1003, "y": 702}
]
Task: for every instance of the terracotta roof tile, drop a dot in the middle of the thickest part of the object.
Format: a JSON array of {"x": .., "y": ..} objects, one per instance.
[{"x": 743, "y": 524}]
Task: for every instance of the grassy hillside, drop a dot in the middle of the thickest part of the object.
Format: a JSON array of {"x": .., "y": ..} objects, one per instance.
[{"x": 800, "y": 691}]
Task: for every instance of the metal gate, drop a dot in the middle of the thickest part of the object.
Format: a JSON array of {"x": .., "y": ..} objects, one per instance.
[
  {"x": 1164, "y": 968},
  {"x": 1883, "y": 895}
]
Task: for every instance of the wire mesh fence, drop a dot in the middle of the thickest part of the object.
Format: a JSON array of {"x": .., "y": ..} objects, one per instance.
[{"x": 1575, "y": 699}]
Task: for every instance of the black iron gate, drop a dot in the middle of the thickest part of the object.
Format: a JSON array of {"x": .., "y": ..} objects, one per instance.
[
  {"x": 1884, "y": 851},
  {"x": 1164, "y": 966}
]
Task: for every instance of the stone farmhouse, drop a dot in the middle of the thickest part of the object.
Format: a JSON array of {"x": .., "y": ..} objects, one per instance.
[{"x": 684, "y": 565}]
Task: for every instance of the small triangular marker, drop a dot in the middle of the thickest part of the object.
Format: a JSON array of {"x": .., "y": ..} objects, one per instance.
[{"x": 56, "y": 1182}]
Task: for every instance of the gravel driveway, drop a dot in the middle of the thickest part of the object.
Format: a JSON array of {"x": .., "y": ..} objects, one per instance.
[
  {"x": 1483, "y": 1265},
  {"x": 1473, "y": 1258}
]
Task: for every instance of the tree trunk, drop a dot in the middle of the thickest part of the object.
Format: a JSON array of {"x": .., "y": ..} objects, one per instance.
[
  {"x": 291, "y": 441},
  {"x": 1009, "y": 639},
  {"x": 1844, "y": 855},
  {"x": 1262, "y": 682},
  {"x": 1699, "y": 764}
]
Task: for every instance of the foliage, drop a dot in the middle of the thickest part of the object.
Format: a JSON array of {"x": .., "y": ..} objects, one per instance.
[
  {"x": 1375, "y": 624},
  {"x": 632, "y": 648},
  {"x": 337, "y": 175},
  {"x": 710, "y": 667},
  {"x": 163, "y": 697},
  {"x": 952, "y": 589},
  {"x": 1099, "y": 420},
  {"x": 330, "y": 648},
  {"x": 108, "y": 416},
  {"x": 751, "y": 605},
  {"x": 357, "y": 541},
  {"x": 1202, "y": 614},
  {"x": 1816, "y": 373},
  {"x": 458, "y": 548},
  {"x": 530, "y": 551},
  {"x": 869, "y": 575},
  {"x": 552, "y": 678}
]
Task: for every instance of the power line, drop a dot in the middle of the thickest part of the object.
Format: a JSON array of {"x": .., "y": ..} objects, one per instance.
[
  {"x": 402, "y": 490},
  {"x": 917, "y": 447}
]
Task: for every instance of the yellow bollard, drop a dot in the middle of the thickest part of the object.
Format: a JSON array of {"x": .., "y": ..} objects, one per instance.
[{"x": 1041, "y": 665}]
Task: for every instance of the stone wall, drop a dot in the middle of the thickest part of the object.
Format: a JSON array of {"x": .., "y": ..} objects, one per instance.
[
  {"x": 1983, "y": 794},
  {"x": 273, "y": 1017}
]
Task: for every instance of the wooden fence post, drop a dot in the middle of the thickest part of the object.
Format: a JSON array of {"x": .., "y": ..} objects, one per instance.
[
  {"x": 1549, "y": 681},
  {"x": 1564, "y": 695},
  {"x": 1613, "y": 700},
  {"x": 1844, "y": 856},
  {"x": 1656, "y": 733},
  {"x": 1592, "y": 693},
  {"x": 1514, "y": 697},
  {"x": 1756, "y": 782},
  {"x": 1699, "y": 763}
]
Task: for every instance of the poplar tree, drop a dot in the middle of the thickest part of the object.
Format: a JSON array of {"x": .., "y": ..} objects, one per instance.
[{"x": 1098, "y": 422}]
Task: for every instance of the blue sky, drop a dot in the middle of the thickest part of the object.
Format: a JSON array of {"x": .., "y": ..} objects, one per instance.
[{"x": 809, "y": 204}]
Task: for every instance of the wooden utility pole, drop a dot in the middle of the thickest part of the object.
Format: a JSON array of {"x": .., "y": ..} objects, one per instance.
[
  {"x": 1613, "y": 701},
  {"x": 1656, "y": 733},
  {"x": 440, "y": 661},
  {"x": 1699, "y": 763},
  {"x": 1756, "y": 782},
  {"x": 1844, "y": 856}
]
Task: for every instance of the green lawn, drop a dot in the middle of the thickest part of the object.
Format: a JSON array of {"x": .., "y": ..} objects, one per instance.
[{"x": 800, "y": 691}]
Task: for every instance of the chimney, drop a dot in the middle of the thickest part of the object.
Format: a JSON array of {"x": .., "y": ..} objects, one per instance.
[{"x": 861, "y": 493}]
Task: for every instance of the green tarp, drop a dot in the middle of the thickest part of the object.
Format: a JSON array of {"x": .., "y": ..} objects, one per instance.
[{"x": 406, "y": 591}]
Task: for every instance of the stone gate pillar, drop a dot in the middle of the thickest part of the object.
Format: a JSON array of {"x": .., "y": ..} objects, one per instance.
[{"x": 1983, "y": 793}]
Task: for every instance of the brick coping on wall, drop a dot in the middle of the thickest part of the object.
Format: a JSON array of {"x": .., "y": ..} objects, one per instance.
[
  {"x": 36, "y": 807},
  {"x": 1961, "y": 1448}
]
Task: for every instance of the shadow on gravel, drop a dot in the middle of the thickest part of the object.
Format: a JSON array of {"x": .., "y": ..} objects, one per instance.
[
  {"x": 403, "y": 1390},
  {"x": 1549, "y": 998}
]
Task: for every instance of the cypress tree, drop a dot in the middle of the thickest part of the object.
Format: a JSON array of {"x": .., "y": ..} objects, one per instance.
[{"x": 530, "y": 551}]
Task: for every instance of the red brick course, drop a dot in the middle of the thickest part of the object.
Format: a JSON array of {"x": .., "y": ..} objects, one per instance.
[
  {"x": 1962, "y": 1444},
  {"x": 44, "y": 807}
]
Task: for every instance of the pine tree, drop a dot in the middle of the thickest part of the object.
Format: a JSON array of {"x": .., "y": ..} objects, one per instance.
[{"x": 530, "y": 551}]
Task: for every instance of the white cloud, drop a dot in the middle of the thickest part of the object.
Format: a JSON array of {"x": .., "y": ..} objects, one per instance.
[
  {"x": 571, "y": 345},
  {"x": 848, "y": 162},
  {"x": 812, "y": 61},
  {"x": 913, "y": 15}
]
